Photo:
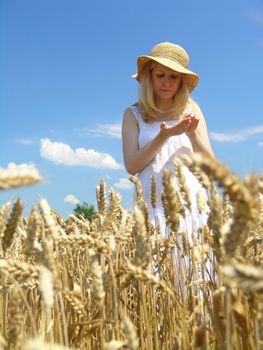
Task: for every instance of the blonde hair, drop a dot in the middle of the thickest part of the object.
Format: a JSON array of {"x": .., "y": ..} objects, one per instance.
[{"x": 146, "y": 100}]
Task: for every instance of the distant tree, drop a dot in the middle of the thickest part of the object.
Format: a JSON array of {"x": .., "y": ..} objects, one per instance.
[{"x": 86, "y": 210}]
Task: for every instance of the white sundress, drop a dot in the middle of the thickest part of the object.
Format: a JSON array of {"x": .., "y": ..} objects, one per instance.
[{"x": 173, "y": 147}]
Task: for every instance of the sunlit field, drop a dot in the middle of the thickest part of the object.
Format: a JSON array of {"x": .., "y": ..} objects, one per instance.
[{"x": 114, "y": 282}]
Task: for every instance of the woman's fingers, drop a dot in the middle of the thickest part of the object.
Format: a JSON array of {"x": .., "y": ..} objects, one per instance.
[
  {"x": 163, "y": 125},
  {"x": 187, "y": 124},
  {"x": 180, "y": 128},
  {"x": 191, "y": 128}
]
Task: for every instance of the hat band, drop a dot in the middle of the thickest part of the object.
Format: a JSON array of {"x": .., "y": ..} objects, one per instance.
[{"x": 171, "y": 56}]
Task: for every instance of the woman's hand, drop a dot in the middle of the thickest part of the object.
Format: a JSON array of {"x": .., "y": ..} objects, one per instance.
[
  {"x": 187, "y": 125},
  {"x": 192, "y": 126},
  {"x": 178, "y": 129}
]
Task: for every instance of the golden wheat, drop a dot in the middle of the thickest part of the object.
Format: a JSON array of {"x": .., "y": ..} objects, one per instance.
[{"x": 116, "y": 283}]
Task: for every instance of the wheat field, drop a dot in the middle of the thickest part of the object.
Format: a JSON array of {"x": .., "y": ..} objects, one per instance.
[{"x": 114, "y": 282}]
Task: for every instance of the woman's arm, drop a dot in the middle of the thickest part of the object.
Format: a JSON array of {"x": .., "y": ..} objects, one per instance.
[
  {"x": 197, "y": 132},
  {"x": 136, "y": 159}
]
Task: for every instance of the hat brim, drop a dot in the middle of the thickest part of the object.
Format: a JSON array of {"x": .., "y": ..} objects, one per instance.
[{"x": 191, "y": 79}]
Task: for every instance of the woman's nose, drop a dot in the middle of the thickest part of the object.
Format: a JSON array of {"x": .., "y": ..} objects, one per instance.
[{"x": 166, "y": 82}]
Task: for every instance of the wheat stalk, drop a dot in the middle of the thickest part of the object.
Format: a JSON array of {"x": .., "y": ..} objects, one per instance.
[{"x": 11, "y": 178}]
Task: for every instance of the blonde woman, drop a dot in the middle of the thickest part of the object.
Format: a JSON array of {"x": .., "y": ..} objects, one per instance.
[{"x": 164, "y": 124}]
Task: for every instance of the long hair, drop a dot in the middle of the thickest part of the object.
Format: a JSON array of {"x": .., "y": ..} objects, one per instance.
[{"x": 146, "y": 100}]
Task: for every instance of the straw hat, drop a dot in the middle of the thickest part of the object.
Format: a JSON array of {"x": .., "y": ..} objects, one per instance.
[{"x": 172, "y": 56}]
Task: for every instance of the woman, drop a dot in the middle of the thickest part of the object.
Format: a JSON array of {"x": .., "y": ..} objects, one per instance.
[{"x": 165, "y": 124}]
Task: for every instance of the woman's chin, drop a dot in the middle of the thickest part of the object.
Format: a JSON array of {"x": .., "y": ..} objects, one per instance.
[{"x": 165, "y": 96}]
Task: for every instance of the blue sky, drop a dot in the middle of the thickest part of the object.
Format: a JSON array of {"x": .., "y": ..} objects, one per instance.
[{"x": 65, "y": 81}]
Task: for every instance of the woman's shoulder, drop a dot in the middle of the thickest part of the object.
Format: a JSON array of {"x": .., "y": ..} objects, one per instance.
[
  {"x": 133, "y": 111},
  {"x": 131, "y": 115},
  {"x": 195, "y": 107},
  {"x": 134, "y": 106},
  {"x": 192, "y": 102}
]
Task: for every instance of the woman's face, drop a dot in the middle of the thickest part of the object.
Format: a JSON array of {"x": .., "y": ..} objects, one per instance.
[{"x": 165, "y": 81}]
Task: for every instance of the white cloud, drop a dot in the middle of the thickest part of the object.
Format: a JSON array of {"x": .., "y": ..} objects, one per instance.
[
  {"x": 21, "y": 167},
  {"x": 112, "y": 130},
  {"x": 70, "y": 198},
  {"x": 226, "y": 137},
  {"x": 240, "y": 135},
  {"x": 61, "y": 153},
  {"x": 124, "y": 184},
  {"x": 260, "y": 144}
]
